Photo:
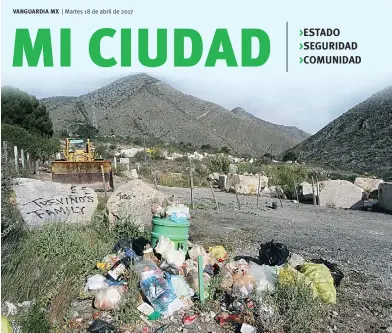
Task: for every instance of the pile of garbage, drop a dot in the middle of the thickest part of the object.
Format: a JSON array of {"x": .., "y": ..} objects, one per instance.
[{"x": 171, "y": 280}]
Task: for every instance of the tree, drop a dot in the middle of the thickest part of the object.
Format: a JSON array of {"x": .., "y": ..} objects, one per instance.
[
  {"x": 225, "y": 150},
  {"x": 290, "y": 155},
  {"x": 21, "y": 109},
  {"x": 86, "y": 131}
]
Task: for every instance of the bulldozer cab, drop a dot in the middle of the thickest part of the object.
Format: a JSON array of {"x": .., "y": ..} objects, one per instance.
[{"x": 81, "y": 164}]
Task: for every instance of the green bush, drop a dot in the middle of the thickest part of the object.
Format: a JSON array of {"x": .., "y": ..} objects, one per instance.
[
  {"x": 295, "y": 308},
  {"x": 37, "y": 146},
  {"x": 219, "y": 163}
]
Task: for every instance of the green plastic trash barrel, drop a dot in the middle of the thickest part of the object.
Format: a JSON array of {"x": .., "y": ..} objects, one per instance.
[{"x": 178, "y": 233}]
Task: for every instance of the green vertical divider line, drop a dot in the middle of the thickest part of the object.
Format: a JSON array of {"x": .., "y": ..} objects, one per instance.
[{"x": 201, "y": 278}]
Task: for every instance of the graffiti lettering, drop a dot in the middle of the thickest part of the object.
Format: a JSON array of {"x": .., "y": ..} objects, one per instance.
[
  {"x": 58, "y": 211},
  {"x": 122, "y": 196},
  {"x": 70, "y": 200}
]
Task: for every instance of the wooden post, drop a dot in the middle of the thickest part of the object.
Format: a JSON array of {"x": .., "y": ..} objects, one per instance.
[
  {"x": 5, "y": 151},
  {"x": 314, "y": 197},
  {"x": 318, "y": 192},
  {"x": 115, "y": 163},
  {"x": 191, "y": 182},
  {"x": 213, "y": 195},
  {"x": 296, "y": 192},
  {"x": 258, "y": 193},
  {"x": 38, "y": 172},
  {"x": 28, "y": 161},
  {"x": 154, "y": 178},
  {"x": 103, "y": 180},
  {"x": 16, "y": 159},
  {"x": 23, "y": 158}
]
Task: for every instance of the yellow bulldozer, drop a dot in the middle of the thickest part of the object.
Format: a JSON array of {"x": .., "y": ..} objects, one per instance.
[{"x": 79, "y": 163}]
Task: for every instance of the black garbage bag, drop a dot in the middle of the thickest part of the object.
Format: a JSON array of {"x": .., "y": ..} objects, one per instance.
[
  {"x": 336, "y": 273},
  {"x": 273, "y": 254},
  {"x": 137, "y": 245},
  {"x": 101, "y": 326}
]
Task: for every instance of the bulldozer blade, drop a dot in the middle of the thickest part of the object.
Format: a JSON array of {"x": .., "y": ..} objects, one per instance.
[{"x": 86, "y": 173}]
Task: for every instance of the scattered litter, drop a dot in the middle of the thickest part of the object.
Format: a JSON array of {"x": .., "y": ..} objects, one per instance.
[
  {"x": 296, "y": 260},
  {"x": 218, "y": 252},
  {"x": 265, "y": 276},
  {"x": 273, "y": 254},
  {"x": 322, "y": 281},
  {"x": 188, "y": 320},
  {"x": 96, "y": 282},
  {"x": 100, "y": 326},
  {"x": 146, "y": 309},
  {"x": 245, "y": 328},
  {"x": 108, "y": 299},
  {"x": 336, "y": 273}
]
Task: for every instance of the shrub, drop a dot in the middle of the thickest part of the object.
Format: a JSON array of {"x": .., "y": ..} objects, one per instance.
[
  {"x": 219, "y": 163},
  {"x": 295, "y": 308},
  {"x": 290, "y": 155}
]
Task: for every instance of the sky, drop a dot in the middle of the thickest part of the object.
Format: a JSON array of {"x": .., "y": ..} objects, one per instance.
[{"x": 307, "y": 96}]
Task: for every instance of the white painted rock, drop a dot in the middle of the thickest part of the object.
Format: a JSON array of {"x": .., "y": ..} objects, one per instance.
[
  {"x": 133, "y": 200},
  {"x": 40, "y": 202}
]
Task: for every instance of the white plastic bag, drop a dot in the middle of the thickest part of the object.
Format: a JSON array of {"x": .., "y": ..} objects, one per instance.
[
  {"x": 95, "y": 282},
  {"x": 265, "y": 279},
  {"x": 108, "y": 299}
]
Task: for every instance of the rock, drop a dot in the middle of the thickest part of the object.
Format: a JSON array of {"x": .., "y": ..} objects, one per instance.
[
  {"x": 334, "y": 313},
  {"x": 306, "y": 192},
  {"x": 42, "y": 202},
  {"x": 389, "y": 329},
  {"x": 222, "y": 182},
  {"x": 242, "y": 184},
  {"x": 130, "y": 152},
  {"x": 385, "y": 196},
  {"x": 132, "y": 174},
  {"x": 273, "y": 192},
  {"x": 368, "y": 184},
  {"x": 233, "y": 168},
  {"x": 133, "y": 200},
  {"x": 340, "y": 194},
  {"x": 296, "y": 260}
]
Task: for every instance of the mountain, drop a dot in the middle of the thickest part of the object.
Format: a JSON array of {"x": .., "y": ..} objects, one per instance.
[
  {"x": 292, "y": 131},
  {"x": 359, "y": 140},
  {"x": 141, "y": 104}
]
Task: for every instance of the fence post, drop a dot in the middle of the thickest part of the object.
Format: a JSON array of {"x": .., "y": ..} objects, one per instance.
[
  {"x": 28, "y": 160},
  {"x": 191, "y": 182},
  {"x": 115, "y": 163},
  {"x": 5, "y": 151},
  {"x": 23, "y": 158},
  {"x": 16, "y": 159}
]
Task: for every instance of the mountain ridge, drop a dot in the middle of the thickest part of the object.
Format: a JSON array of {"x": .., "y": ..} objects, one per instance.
[
  {"x": 139, "y": 104},
  {"x": 359, "y": 140}
]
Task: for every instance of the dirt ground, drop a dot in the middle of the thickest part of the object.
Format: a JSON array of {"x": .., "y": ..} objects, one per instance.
[{"x": 359, "y": 242}]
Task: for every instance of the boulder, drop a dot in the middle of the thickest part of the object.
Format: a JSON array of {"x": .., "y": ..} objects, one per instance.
[
  {"x": 306, "y": 191},
  {"x": 368, "y": 184},
  {"x": 222, "y": 182},
  {"x": 385, "y": 196},
  {"x": 273, "y": 192},
  {"x": 340, "y": 194},
  {"x": 242, "y": 184},
  {"x": 133, "y": 200},
  {"x": 132, "y": 174},
  {"x": 233, "y": 168},
  {"x": 42, "y": 202}
]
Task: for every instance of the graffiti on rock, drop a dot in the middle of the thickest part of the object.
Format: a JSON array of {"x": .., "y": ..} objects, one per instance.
[
  {"x": 59, "y": 206},
  {"x": 123, "y": 196}
]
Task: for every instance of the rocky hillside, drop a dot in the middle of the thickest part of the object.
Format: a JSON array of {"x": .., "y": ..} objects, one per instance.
[
  {"x": 142, "y": 104},
  {"x": 359, "y": 140}
]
